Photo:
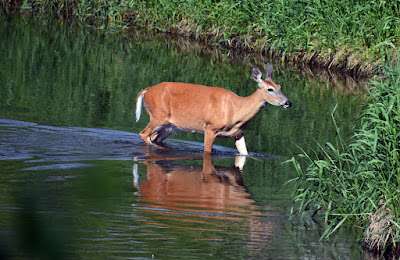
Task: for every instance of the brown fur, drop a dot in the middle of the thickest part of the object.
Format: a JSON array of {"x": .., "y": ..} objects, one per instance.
[{"x": 210, "y": 110}]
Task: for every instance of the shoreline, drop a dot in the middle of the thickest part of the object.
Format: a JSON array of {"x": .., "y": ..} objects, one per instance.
[
  {"x": 300, "y": 35},
  {"x": 341, "y": 82},
  {"x": 341, "y": 63}
]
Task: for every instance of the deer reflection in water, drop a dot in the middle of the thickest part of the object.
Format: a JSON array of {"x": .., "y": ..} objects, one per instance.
[{"x": 202, "y": 198}]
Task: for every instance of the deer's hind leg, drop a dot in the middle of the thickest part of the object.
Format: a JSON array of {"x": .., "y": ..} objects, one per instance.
[
  {"x": 147, "y": 131},
  {"x": 156, "y": 131},
  {"x": 162, "y": 132},
  {"x": 158, "y": 128}
]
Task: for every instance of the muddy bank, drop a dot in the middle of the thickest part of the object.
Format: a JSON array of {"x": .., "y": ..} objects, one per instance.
[{"x": 378, "y": 237}]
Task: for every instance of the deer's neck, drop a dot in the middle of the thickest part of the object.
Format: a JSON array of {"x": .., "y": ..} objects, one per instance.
[{"x": 251, "y": 105}]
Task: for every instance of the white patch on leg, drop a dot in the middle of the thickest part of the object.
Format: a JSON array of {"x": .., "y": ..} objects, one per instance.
[
  {"x": 241, "y": 146},
  {"x": 239, "y": 162}
]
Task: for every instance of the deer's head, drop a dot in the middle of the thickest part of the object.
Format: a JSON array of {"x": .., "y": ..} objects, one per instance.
[{"x": 272, "y": 92}]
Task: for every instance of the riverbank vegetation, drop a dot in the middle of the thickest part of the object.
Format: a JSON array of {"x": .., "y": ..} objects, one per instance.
[
  {"x": 351, "y": 36},
  {"x": 360, "y": 181}
]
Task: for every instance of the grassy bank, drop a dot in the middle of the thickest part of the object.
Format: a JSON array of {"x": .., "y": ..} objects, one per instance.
[
  {"x": 351, "y": 36},
  {"x": 359, "y": 182}
]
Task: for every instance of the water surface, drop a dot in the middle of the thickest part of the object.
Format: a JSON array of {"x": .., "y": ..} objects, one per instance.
[{"x": 76, "y": 181}]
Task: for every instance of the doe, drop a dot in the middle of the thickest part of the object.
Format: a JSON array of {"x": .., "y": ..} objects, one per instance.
[{"x": 210, "y": 110}]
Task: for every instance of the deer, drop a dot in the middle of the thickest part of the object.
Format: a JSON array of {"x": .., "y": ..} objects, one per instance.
[{"x": 213, "y": 111}]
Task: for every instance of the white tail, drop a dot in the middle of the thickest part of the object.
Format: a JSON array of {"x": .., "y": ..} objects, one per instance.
[
  {"x": 139, "y": 106},
  {"x": 209, "y": 110}
]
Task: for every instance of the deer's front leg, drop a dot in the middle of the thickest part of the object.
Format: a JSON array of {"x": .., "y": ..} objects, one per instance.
[
  {"x": 209, "y": 137},
  {"x": 241, "y": 145}
]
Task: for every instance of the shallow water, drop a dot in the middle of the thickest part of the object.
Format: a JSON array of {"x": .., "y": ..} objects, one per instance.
[{"x": 76, "y": 181}]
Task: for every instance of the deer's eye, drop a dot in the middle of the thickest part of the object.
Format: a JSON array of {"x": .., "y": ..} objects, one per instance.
[{"x": 270, "y": 90}]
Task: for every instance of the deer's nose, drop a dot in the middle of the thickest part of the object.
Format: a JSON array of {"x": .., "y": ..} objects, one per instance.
[{"x": 287, "y": 104}]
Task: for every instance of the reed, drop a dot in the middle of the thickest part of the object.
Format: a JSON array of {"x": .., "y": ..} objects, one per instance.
[
  {"x": 359, "y": 180},
  {"x": 343, "y": 34}
]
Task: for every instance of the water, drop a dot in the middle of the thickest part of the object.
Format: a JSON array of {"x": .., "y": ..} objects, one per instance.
[{"x": 76, "y": 181}]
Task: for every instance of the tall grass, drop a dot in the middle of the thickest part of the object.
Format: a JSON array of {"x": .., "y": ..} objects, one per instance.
[
  {"x": 287, "y": 25},
  {"x": 351, "y": 182},
  {"x": 341, "y": 33}
]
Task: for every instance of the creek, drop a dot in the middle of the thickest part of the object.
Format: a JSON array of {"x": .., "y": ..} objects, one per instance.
[{"x": 76, "y": 181}]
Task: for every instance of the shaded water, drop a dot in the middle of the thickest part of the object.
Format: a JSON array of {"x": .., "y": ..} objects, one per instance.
[{"x": 76, "y": 181}]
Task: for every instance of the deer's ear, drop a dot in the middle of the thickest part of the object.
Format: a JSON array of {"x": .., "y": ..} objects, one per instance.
[
  {"x": 256, "y": 74},
  {"x": 268, "y": 71}
]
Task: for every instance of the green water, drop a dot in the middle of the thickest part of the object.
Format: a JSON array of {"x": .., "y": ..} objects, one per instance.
[{"x": 77, "y": 182}]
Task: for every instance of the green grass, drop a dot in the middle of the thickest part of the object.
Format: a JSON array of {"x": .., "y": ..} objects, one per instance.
[
  {"x": 347, "y": 34},
  {"x": 350, "y": 181},
  {"x": 341, "y": 29}
]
